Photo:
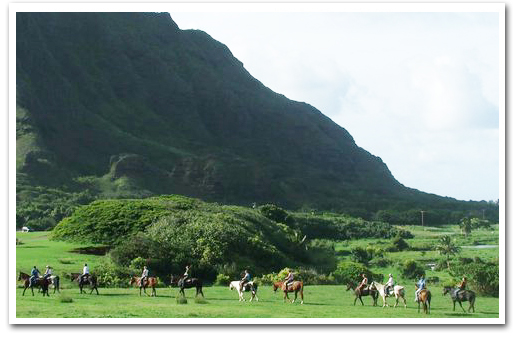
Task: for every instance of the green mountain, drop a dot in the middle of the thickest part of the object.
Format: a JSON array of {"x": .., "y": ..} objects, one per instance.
[{"x": 125, "y": 105}]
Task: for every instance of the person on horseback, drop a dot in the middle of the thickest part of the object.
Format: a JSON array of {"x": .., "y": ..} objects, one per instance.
[
  {"x": 364, "y": 282},
  {"x": 145, "y": 273},
  {"x": 421, "y": 285},
  {"x": 245, "y": 280},
  {"x": 289, "y": 279},
  {"x": 85, "y": 274},
  {"x": 48, "y": 273},
  {"x": 388, "y": 285},
  {"x": 461, "y": 286},
  {"x": 34, "y": 276},
  {"x": 186, "y": 275}
]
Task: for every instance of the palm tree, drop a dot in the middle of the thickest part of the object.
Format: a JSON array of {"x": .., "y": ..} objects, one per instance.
[{"x": 447, "y": 247}]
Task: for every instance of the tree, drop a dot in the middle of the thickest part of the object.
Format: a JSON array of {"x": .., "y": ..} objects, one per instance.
[
  {"x": 466, "y": 226},
  {"x": 447, "y": 247}
]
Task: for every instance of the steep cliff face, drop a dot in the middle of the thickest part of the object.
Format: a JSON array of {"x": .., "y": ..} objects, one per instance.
[{"x": 131, "y": 96}]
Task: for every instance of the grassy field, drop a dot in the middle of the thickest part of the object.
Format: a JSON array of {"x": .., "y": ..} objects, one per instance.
[{"x": 320, "y": 301}]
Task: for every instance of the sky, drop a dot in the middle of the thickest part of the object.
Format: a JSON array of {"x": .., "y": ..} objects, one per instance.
[{"x": 419, "y": 89}]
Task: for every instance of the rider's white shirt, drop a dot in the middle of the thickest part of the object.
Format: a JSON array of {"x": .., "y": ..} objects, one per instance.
[
  {"x": 86, "y": 270},
  {"x": 145, "y": 273}
]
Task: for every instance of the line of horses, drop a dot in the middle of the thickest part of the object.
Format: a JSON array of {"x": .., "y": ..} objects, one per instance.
[{"x": 374, "y": 290}]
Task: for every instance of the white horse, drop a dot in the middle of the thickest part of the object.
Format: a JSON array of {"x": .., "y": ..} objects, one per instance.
[
  {"x": 398, "y": 291},
  {"x": 250, "y": 286}
]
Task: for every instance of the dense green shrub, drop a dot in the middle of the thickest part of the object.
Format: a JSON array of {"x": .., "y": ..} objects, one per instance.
[
  {"x": 411, "y": 269},
  {"x": 351, "y": 272},
  {"x": 222, "y": 280},
  {"x": 276, "y": 214}
]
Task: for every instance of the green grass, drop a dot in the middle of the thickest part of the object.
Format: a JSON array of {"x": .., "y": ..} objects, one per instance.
[{"x": 220, "y": 302}]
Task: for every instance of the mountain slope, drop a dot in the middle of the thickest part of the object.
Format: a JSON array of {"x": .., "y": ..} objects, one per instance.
[{"x": 127, "y": 104}]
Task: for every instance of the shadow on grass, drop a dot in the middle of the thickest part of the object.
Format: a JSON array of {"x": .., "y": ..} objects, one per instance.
[{"x": 31, "y": 246}]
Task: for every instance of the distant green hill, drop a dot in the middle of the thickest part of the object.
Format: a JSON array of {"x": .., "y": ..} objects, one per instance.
[{"x": 127, "y": 105}]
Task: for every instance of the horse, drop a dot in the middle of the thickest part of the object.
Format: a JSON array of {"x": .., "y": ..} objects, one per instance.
[
  {"x": 188, "y": 283},
  {"x": 296, "y": 286},
  {"x": 398, "y": 291},
  {"x": 364, "y": 292},
  {"x": 250, "y": 286},
  {"x": 425, "y": 297},
  {"x": 462, "y": 296},
  {"x": 90, "y": 280},
  {"x": 149, "y": 282},
  {"x": 39, "y": 282}
]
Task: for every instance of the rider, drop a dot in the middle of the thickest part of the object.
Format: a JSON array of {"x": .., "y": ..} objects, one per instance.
[
  {"x": 289, "y": 279},
  {"x": 48, "y": 273},
  {"x": 421, "y": 285},
  {"x": 186, "y": 275},
  {"x": 145, "y": 273},
  {"x": 85, "y": 274},
  {"x": 34, "y": 276},
  {"x": 364, "y": 282},
  {"x": 245, "y": 280},
  {"x": 461, "y": 286},
  {"x": 388, "y": 285}
]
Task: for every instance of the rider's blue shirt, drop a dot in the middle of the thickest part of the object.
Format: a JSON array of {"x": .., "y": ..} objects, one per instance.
[
  {"x": 34, "y": 272},
  {"x": 421, "y": 284}
]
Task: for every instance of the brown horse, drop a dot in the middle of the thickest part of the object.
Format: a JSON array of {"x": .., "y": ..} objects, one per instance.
[
  {"x": 296, "y": 286},
  {"x": 364, "y": 292},
  {"x": 425, "y": 297},
  {"x": 149, "y": 282},
  {"x": 91, "y": 280},
  {"x": 39, "y": 282}
]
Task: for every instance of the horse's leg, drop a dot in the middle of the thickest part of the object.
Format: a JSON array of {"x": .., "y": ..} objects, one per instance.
[
  {"x": 96, "y": 290},
  {"x": 360, "y": 299},
  {"x": 453, "y": 305},
  {"x": 356, "y": 297},
  {"x": 461, "y": 305},
  {"x": 295, "y": 296},
  {"x": 301, "y": 295}
]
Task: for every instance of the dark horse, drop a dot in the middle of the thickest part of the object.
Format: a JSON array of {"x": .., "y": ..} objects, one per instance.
[
  {"x": 425, "y": 297},
  {"x": 39, "y": 282},
  {"x": 188, "y": 283},
  {"x": 296, "y": 286},
  {"x": 463, "y": 295},
  {"x": 364, "y": 292},
  {"x": 149, "y": 282},
  {"x": 91, "y": 280}
]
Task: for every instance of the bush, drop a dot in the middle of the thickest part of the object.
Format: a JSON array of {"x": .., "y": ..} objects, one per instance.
[
  {"x": 65, "y": 298},
  {"x": 410, "y": 269},
  {"x": 400, "y": 244},
  {"x": 276, "y": 214},
  {"x": 351, "y": 272},
  {"x": 360, "y": 255},
  {"x": 381, "y": 262},
  {"x": 222, "y": 280}
]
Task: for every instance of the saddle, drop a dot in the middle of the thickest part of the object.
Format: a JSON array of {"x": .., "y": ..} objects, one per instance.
[{"x": 289, "y": 286}]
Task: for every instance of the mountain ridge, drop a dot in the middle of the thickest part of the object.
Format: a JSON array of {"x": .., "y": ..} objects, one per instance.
[{"x": 126, "y": 104}]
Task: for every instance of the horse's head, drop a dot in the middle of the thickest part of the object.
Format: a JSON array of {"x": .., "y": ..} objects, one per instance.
[
  {"x": 132, "y": 280},
  {"x": 275, "y": 287},
  {"x": 349, "y": 286},
  {"x": 446, "y": 290}
]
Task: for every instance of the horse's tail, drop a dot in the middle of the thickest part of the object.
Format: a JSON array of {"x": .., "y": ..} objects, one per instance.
[{"x": 56, "y": 282}]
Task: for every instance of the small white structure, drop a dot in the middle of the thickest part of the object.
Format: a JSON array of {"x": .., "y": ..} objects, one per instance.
[{"x": 25, "y": 229}]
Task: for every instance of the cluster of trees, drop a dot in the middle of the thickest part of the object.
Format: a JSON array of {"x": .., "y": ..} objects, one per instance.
[{"x": 169, "y": 232}]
